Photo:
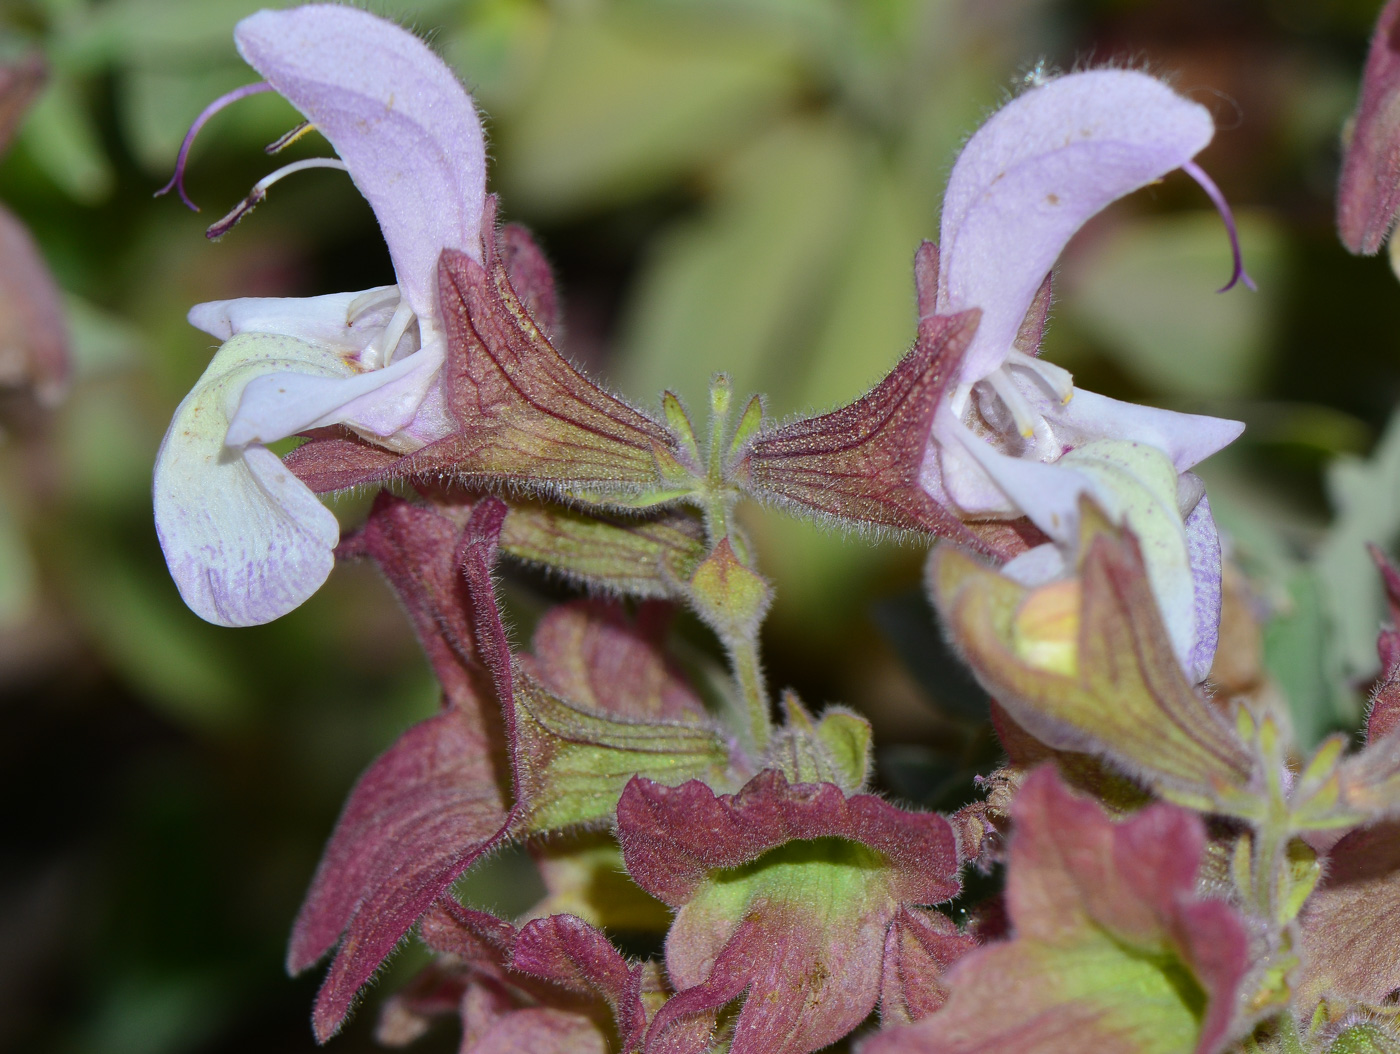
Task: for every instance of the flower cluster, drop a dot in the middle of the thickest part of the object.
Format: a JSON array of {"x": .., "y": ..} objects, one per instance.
[{"x": 1078, "y": 572}]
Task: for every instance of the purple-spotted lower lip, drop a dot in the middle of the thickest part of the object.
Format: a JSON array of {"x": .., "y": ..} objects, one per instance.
[{"x": 1223, "y": 207}]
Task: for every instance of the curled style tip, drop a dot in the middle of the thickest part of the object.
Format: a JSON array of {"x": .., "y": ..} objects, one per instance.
[
  {"x": 177, "y": 181},
  {"x": 1223, "y": 207}
]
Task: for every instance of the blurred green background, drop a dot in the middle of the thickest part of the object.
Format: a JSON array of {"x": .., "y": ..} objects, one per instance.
[{"x": 721, "y": 184}]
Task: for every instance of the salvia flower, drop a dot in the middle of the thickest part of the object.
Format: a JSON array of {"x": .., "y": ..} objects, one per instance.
[
  {"x": 246, "y": 541},
  {"x": 1012, "y": 436}
]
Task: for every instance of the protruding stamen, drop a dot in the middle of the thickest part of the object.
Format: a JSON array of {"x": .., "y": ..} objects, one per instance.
[
  {"x": 259, "y": 191},
  {"x": 1223, "y": 207},
  {"x": 380, "y": 351},
  {"x": 288, "y": 138},
  {"x": 177, "y": 181},
  {"x": 1021, "y": 411},
  {"x": 370, "y": 300},
  {"x": 1058, "y": 379}
]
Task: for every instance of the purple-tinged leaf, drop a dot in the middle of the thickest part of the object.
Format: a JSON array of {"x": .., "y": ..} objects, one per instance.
[
  {"x": 1384, "y": 713},
  {"x": 919, "y": 947},
  {"x": 1368, "y": 192},
  {"x": 20, "y": 83},
  {"x": 556, "y": 982},
  {"x": 525, "y": 415},
  {"x": 437, "y": 799},
  {"x": 416, "y": 549},
  {"x": 1350, "y": 926},
  {"x": 531, "y": 278},
  {"x": 34, "y": 347},
  {"x": 568, "y": 951},
  {"x": 590, "y": 653},
  {"x": 420, "y": 815},
  {"x": 785, "y": 892},
  {"x": 33, "y": 333},
  {"x": 467, "y": 934},
  {"x": 1086, "y": 665},
  {"x": 862, "y": 463},
  {"x": 435, "y": 992},
  {"x": 1112, "y": 950},
  {"x": 1388, "y": 640},
  {"x": 335, "y": 459}
]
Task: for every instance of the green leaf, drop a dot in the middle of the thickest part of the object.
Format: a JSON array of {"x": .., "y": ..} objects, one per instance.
[
  {"x": 571, "y": 764},
  {"x": 1295, "y": 656},
  {"x": 637, "y": 557},
  {"x": 1113, "y": 950},
  {"x": 835, "y": 749}
]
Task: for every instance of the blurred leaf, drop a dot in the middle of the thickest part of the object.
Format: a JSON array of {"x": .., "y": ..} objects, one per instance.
[
  {"x": 498, "y": 49},
  {"x": 1148, "y": 294},
  {"x": 1295, "y": 656},
  {"x": 820, "y": 575},
  {"x": 119, "y": 32},
  {"x": 101, "y": 342},
  {"x": 18, "y": 577},
  {"x": 157, "y": 1014},
  {"x": 870, "y": 313},
  {"x": 734, "y": 290},
  {"x": 178, "y": 664},
  {"x": 624, "y": 103},
  {"x": 1366, "y": 497},
  {"x": 107, "y": 446},
  {"x": 60, "y": 138}
]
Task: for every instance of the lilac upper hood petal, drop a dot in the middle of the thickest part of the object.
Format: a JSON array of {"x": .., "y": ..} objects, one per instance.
[
  {"x": 1034, "y": 173},
  {"x": 398, "y": 118}
]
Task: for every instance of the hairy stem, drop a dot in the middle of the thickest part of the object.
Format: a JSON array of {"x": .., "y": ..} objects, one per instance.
[{"x": 748, "y": 672}]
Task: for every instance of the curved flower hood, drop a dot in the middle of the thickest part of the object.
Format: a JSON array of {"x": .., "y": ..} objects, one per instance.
[
  {"x": 1034, "y": 174},
  {"x": 408, "y": 134}
]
